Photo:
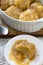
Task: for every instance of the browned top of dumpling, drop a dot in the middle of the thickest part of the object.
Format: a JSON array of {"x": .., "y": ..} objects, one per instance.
[
  {"x": 6, "y": 3},
  {"x": 29, "y": 15},
  {"x": 13, "y": 12},
  {"x": 38, "y": 7},
  {"x": 23, "y": 4}
]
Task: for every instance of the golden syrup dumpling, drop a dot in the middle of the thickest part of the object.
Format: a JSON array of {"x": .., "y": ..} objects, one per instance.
[
  {"x": 18, "y": 52},
  {"x": 14, "y": 54},
  {"x": 40, "y": 11},
  {"x": 13, "y": 12},
  {"x": 29, "y": 15},
  {"x": 22, "y": 50},
  {"x": 23, "y": 4},
  {"x": 15, "y": 50},
  {"x": 4, "y": 4},
  {"x": 35, "y": 4},
  {"x": 26, "y": 49},
  {"x": 38, "y": 7},
  {"x": 19, "y": 45}
]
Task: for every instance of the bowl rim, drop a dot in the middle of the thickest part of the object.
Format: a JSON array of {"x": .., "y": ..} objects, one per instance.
[{"x": 38, "y": 20}]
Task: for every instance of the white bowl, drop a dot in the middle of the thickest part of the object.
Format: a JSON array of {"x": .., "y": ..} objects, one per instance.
[
  {"x": 39, "y": 47},
  {"x": 24, "y": 26}
]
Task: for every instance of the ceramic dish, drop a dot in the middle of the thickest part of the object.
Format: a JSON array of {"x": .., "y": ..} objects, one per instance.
[
  {"x": 39, "y": 47},
  {"x": 24, "y": 26}
]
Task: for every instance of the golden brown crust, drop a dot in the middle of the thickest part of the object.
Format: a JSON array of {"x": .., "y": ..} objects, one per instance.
[
  {"x": 13, "y": 12},
  {"x": 23, "y": 4},
  {"x": 29, "y": 15},
  {"x": 38, "y": 7}
]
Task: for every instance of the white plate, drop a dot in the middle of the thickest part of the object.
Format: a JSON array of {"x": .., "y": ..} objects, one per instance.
[{"x": 39, "y": 46}]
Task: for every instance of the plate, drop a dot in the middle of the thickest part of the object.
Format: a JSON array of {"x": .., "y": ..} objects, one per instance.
[{"x": 39, "y": 49}]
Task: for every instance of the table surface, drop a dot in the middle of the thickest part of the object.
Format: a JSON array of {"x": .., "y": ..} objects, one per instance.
[
  {"x": 3, "y": 42},
  {"x": 13, "y": 32}
]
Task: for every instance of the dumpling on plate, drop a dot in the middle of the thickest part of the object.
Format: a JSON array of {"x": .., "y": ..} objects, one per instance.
[
  {"x": 25, "y": 48},
  {"x": 29, "y": 15},
  {"x": 22, "y": 50},
  {"x": 38, "y": 7},
  {"x": 23, "y": 4},
  {"x": 13, "y": 12}
]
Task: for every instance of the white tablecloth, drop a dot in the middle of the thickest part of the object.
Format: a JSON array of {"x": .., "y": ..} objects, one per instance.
[{"x": 3, "y": 42}]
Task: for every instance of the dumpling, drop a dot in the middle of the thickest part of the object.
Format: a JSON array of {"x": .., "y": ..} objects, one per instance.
[
  {"x": 29, "y": 15},
  {"x": 13, "y": 12},
  {"x": 38, "y": 7},
  {"x": 25, "y": 48},
  {"x": 23, "y": 4},
  {"x": 4, "y": 4},
  {"x": 35, "y": 4}
]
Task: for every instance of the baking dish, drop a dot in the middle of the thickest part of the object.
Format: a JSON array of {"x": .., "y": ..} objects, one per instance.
[{"x": 24, "y": 26}]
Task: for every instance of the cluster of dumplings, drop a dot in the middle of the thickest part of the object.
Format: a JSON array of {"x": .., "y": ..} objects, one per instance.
[{"x": 25, "y": 10}]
